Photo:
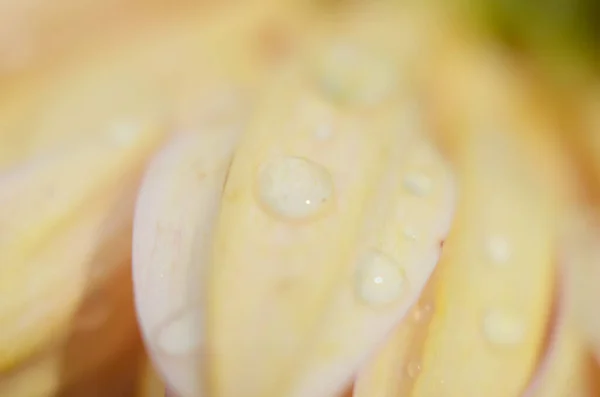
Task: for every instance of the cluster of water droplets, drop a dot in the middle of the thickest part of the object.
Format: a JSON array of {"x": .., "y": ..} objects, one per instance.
[
  {"x": 300, "y": 189},
  {"x": 501, "y": 325},
  {"x": 297, "y": 188}
]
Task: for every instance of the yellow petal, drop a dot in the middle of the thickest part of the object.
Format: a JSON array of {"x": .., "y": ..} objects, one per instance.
[
  {"x": 66, "y": 217},
  {"x": 493, "y": 303},
  {"x": 173, "y": 234},
  {"x": 391, "y": 372},
  {"x": 571, "y": 372},
  {"x": 308, "y": 226},
  {"x": 280, "y": 245}
]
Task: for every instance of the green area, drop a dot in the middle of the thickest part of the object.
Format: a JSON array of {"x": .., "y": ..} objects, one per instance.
[{"x": 562, "y": 32}]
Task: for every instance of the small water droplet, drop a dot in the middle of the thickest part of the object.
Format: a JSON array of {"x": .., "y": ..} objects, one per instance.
[
  {"x": 124, "y": 133},
  {"x": 423, "y": 312},
  {"x": 417, "y": 184},
  {"x": 324, "y": 131},
  {"x": 498, "y": 248},
  {"x": 410, "y": 233},
  {"x": 295, "y": 188},
  {"x": 413, "y": 369},
  {"x": 182, "y": 335},
  {"x": 381, "y": 280},
  {"x": 502, "y": 327},
  {"x": 350, "y": 75}
]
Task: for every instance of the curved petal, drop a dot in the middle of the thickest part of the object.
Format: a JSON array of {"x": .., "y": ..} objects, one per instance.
[
  {"x": 174, "y": 218},
  {"x": 562, "y": 349},
  {"x": 408, "y": 225},
  {"x": 395, "y": 367},
  {"x": 58, "y": 215},
  {"x": 498, "y": 270},
  {"x": 331, "y": 225},
  {"x": 582, "y": 258}
]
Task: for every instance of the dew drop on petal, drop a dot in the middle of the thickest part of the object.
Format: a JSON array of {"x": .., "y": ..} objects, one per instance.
[
  {"x": 503, "y": 327},
  {"x": 295, "y": 188},
  {"x": 413, "y": 369},
  {"x": 380, "y": 279},
  {"x": 422, "y": 312},
  {"x": 181, "y": 335},
  {"x": 324, "y": 131}
]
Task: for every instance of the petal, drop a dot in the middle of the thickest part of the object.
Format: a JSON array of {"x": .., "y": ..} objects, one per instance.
[
  {"x": 174, "y": 219},
  {"x": 582, "y": 259},
  {"x": 63, "y": 216},
  {"x": 562, "y": 367},
  {"x": 319, "y": 200},
  {"x": 497, "y": 273},
  {"x": 392, "y": 371}
]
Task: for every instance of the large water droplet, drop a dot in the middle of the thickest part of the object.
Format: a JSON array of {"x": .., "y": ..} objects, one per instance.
[
  {"x": 182, "y": 335},
  {"x": 503, "y": 327},
  {"x": 350, "y": 75},
  {"x": 380, "y": 279},
  {"x": 295, "y": 188}
]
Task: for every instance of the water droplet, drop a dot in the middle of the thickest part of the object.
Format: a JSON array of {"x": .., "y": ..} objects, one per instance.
[
  {"x": 417, "y": 184},
  {"x": 124, "y": 133},
  {"x": 410, "y": 233},
  {"x": 381, "y": 280},
  {"x": 423, "y": 312},
  {"x": 182, "y": 335},
  {"x": 499, "y": 250},
  {"x": 348, "y": 74},
  {"x": 413, "y": 369},
  {"x": 324, "y": 131},
  {"x": 502, "y": 327},
  {"x": 295, "y": 188}
]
